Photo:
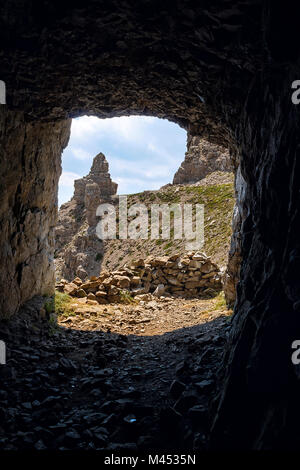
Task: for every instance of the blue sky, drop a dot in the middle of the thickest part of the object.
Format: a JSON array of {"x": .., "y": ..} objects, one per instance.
[{"x": 143, "y": 152}]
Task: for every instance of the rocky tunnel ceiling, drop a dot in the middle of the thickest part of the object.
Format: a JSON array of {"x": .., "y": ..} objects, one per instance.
[{"x": 189, "y": 61}]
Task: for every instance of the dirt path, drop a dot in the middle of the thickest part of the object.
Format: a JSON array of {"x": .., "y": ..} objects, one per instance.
[
  {"x": 147, "y": 318},
  {"x": 115, "y": 376}
]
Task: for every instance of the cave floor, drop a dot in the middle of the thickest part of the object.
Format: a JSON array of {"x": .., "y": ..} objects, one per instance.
[{"x": 134, "y": 377}]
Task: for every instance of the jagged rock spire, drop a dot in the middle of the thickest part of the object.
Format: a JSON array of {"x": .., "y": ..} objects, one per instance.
[{"x": 99, "y": 177}]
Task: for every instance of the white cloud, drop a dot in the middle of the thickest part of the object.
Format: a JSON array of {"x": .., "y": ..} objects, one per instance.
[
  {"x": 84, "y": 127},
  {"x": 81, "y": 154},
  {"x": 137, "y": 168},
  {"x": 134, "y": 185},
  {"x": 135, "y": 129},
  {"x": 66, "y": 186},
  {"x": 159, "y": 151},
  {"x": 67, "y": 179}
]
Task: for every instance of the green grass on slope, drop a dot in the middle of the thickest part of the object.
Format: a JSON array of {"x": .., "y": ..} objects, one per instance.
[{"x": 218, "y": 203}]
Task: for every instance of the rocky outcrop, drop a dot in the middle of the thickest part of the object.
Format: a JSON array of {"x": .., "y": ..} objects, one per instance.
[
  {"x": 78, "y": 250},
  {"x": 201, "y": 159},
  {"x": 96, "y": 186},
  {"x": 188, "y": 276}
]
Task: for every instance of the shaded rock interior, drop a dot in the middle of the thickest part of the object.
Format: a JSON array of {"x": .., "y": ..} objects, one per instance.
[
  {"x": 30, "y": 169},
  {"x": 222, "y": 71}
]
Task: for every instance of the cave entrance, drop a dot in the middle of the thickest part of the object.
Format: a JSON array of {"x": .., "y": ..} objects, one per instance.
[
  {"x": 146, "y": 299},
  {"x": 132, "y": 156},
  {"x": 156, "y": 352}
]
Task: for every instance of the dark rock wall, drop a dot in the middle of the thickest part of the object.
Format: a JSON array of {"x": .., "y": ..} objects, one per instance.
[
  {"x": 232, "y": 273},
  {"x": 261, "y": 388},
  {"x": 30, "y": 168},
  {"x": 172, "y": 59},
  {"x": 221, "y": 69},
  {"x": 258, "y": 406}
]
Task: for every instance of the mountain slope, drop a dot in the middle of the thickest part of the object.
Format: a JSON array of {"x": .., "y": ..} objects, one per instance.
[{"x": 216, "y": 192}]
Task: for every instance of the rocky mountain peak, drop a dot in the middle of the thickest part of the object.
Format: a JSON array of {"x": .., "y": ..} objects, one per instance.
[
  {"x": 99, "y": 166},
  {"x": 77, "y": 245},
  {"x": 97, "y": 184}
]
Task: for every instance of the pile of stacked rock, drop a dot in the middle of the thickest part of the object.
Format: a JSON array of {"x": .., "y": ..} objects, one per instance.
[{"x": 190, "y": 275}]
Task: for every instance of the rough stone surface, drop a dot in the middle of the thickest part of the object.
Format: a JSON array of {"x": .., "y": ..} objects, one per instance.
[
  {"x": 29, "y": 172},
  {"x": 232, "y": 273},
  {"x": 182, "y": 62},
  {"x": 78, "y": 250},
  {"x": 201, "y": 159},
  {"x": 261, "y": 385}
]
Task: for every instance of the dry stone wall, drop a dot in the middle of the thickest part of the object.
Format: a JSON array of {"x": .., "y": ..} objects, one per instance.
[{"x": 190, "y": 275}]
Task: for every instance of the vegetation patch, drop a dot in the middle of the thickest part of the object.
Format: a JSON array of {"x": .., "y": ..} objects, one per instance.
[
  {"x": 59, "y": 304},
  {"x": 126, "y": 298}
]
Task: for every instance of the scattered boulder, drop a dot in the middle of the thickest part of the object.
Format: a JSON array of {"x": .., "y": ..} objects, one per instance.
[
  {"x": 70, "y": 288},
  {"x": 122, "y": 281},
  {"x": 135, "y": 281},
  {"x": 77, "y": 281},
  {"x": 81, "y": 293},
  {"x": 91, "y": 296}
]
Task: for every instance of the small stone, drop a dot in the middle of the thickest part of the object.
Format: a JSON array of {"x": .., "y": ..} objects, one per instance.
[
  {"x": 70, "y": 288},
  {"x": 135, "y": 281},
  {"x": 27, "y": 405},
  {"x": 91, "y": 296},
  {"x": 73, "y": 435},
  {"x": 39, "y": 445},
  {"x": 177, "y": 388},
  {"x": 77, "y": 281},
  {"x": 204, "y": 385},
  {"x": 81, "y": 293}
]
